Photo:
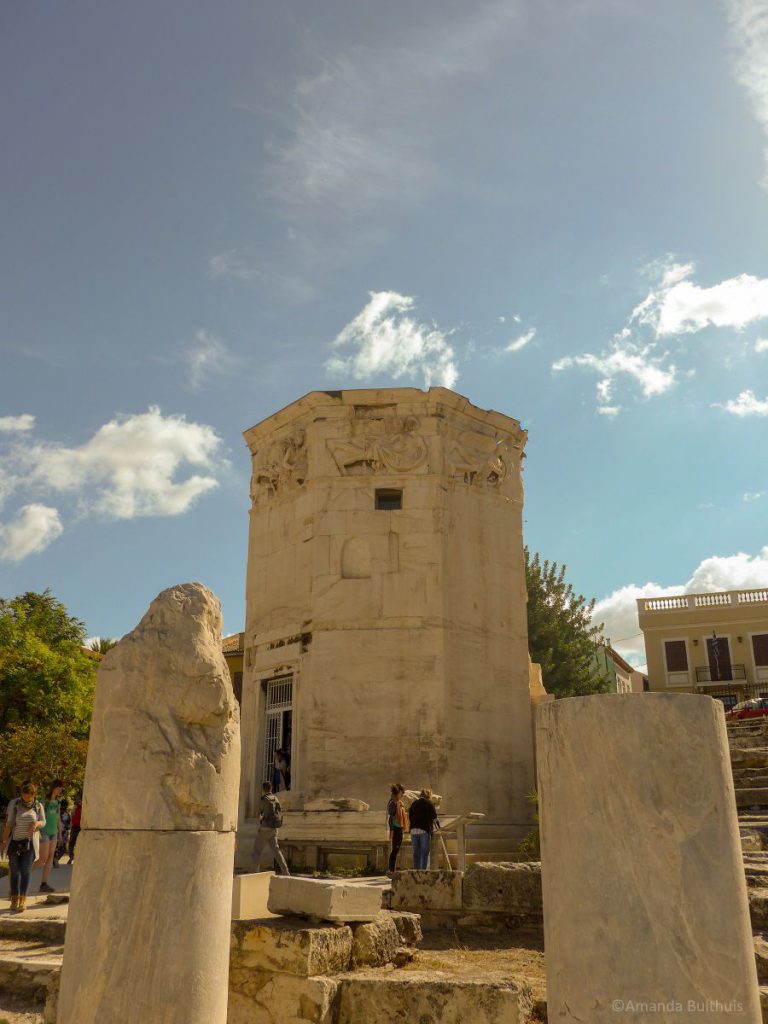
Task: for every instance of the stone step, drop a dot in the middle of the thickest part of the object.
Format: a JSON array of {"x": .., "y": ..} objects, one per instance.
[
  {"x": 29, "y": 968},
  {"x": 750, "y": 778},
  {"x": 748, "y": 798},
  {"x": 26, "y": 927},
  {"x": 753, "y": 841},
  {"x": 744, "y": 755},
  {"x": 758, "y": 908}
]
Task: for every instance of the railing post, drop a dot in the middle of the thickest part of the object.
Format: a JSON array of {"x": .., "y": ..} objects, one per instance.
[{"x": 461, "y": 844}]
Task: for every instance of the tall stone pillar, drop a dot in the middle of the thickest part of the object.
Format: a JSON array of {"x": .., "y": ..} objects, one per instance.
[
  {"x": 149, "y": 923},
  {"x": 645, "y": 902}
]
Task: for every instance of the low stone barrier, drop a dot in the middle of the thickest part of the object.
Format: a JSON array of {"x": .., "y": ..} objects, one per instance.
[
  {"x": 326, "y": 899},
  {"x": 422, "y": 997},
  {"x": 288, "y": 971},
  {"x": 507, "y": 894}
]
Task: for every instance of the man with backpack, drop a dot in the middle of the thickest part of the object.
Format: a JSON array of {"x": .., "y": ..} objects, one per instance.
[{"x": 270, "y": 820}]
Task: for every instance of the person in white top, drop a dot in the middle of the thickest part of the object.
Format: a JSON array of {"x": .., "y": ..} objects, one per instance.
[{"x": 23, "y": 821}]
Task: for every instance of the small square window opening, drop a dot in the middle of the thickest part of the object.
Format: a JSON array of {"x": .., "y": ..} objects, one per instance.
[{"x": 388, "y": 500}]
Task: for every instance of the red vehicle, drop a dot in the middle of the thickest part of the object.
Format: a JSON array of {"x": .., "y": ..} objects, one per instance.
[{"x": 754, "y": 708}]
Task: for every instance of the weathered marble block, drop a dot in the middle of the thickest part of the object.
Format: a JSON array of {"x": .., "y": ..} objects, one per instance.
[
  {"x": 326, "y": 899},
  {"x": 420, "y": 996},
  {"x": 265, "y": 997},
  {"x": 165, "y": 733},
  {"x": 145, "y": 906},
  {"x": 422, "y": 891},
  {"x": 645, "y": 899},
  {"x": 249, "y": 896},
  {"x": 375, "y": 943},
  {"x": 408, "y": 927},
  {"x": 291, "y": 946},
  {"x": 511, "y": 889},
  {"x": 149, "y": 923}
]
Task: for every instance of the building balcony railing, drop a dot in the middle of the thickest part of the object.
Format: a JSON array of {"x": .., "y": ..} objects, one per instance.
[
  {"x": 732, "y": 675},
  {"x": 724, "y": 598}
]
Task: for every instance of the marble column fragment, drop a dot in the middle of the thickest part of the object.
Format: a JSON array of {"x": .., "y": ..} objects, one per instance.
[
  {"x": 645, "y": 903},
  {"x": 150, "y": 915}
]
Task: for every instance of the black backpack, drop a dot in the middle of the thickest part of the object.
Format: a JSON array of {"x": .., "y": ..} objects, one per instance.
[{"x": 273, "y": 817}]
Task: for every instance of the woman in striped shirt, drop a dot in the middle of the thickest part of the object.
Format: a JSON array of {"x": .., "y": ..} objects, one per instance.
[{"x": 25, "y": 817}]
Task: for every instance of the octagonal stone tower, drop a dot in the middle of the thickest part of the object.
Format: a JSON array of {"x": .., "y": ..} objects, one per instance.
[{"x": 386, "y": 635}]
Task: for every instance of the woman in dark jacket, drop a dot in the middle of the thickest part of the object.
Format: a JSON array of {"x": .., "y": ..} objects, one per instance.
[{"x": 423, "y": 820}]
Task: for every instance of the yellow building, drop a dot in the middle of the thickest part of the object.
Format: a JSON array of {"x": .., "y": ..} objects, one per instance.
[
  {"x": 232, "y": 648},
  {"x": 713, "y": 643}
]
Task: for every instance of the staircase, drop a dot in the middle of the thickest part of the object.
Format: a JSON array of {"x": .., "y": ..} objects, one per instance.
[{"x": 748, "y": 743}]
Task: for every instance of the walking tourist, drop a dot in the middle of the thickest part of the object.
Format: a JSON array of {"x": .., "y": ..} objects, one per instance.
[
  {"x": 50, "y": 833},
  {"x": 270, "y": 821},
  {"x": 75, "y": 826},
  {"x": 66, "y": 821},
  {"x": 422, "y": 818},
  {"x": 397, "y": 822},
  {"x": 23, "y": 822},
  {"x": 279, "y": 771}
]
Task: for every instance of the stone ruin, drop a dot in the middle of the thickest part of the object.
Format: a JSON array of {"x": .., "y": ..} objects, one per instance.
[
  {"x": 644, "y": 909},
  {"x": 149, "y": 923}
]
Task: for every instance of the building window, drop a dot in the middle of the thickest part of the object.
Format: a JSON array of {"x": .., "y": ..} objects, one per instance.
[
  {"x": 676, "y": 655},
  {"x": 278, "y": 728},
  {"x": 388, "y": 500},
  {"x": 760, "y": 648}
]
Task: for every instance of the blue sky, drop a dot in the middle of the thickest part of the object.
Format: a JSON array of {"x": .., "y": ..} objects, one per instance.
[{"x": 559, "y": 209}]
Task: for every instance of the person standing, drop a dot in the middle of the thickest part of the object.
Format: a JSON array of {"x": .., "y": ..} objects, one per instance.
[
  {"x": 422, "y": 817},
  {"x": 23, "y": 822},
  {"x": 50, "y": 833},
  {"x": 75, "y": 827},
  {"x": 397, "y": 822},
  {"x": 66, "y": 821},
  {"x": 270, "y": 821},
  {"x": 279, "y": 771}
]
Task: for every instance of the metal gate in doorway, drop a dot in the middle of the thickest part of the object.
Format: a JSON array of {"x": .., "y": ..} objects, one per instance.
[{"x": 277, "y": 722}]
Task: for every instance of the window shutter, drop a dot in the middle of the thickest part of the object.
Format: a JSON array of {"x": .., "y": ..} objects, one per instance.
[
  {"x": 677, "y": 656},
  {"x": 760, "y": 648}
]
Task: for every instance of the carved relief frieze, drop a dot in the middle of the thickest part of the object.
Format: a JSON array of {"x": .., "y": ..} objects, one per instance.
[
  {"x": 278, "y": 465},
  {"x": 388, "y": 444},
  {"x": 479, "y": 461}
]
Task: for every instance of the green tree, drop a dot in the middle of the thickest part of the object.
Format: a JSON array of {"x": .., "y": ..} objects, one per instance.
[
  {"x": 45, "y": 677},
  {"x": 102, "y": 644},
  {"x": 31, "y": 753},
  {"x": 561, "y": 636}
]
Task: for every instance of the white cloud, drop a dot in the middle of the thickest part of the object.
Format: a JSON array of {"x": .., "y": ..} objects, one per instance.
[
  {"x": 761, "y": 345},
  {"x": 363, "y": 129},
  {"x": 679, "y": 306},
  {"x": 745, "y": 404},
  {"x": 128, "y": 468},
  {"x": 674, "y": 306},
  {"x": 208, "y": 357},
  {"x": 752, "y": 495},
  {"x": 623, "y": 358},
  {"x": 16, "y": 424},
  {"x": 521, "y": 342},
  {"x": 749, "y": 29},
  {"x": 386, "y": 341},
  {"x": 619, "y": 610},
  {"x": 233, "y": 264},
  {"x": 35, "y": 527}
]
